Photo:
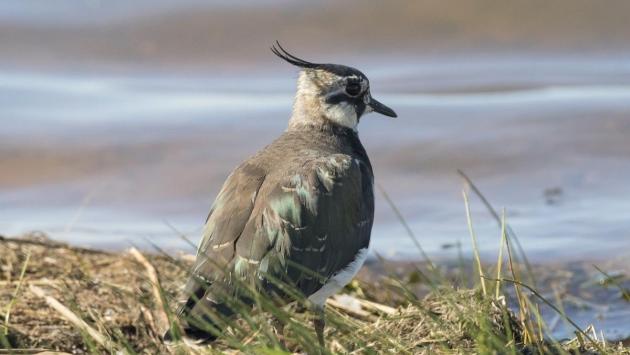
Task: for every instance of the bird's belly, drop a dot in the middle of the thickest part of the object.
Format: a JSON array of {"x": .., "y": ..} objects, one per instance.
[{"x": 339, "y": 279}]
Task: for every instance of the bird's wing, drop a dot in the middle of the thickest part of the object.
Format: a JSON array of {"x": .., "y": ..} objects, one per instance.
[
  {"x": 310, "y": 225},
  {"x": 226, "y": 221},
  {"x": 301, "y": 229}
]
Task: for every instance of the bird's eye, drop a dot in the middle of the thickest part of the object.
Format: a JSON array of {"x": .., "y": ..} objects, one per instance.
[{"x": 353, "y": 88}]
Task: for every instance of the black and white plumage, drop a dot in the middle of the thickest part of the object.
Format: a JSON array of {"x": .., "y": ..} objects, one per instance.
[{"x": 299, "y": 211}]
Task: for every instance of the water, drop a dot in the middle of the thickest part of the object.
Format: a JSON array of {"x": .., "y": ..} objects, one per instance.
[{"x": 95, "y": 159}]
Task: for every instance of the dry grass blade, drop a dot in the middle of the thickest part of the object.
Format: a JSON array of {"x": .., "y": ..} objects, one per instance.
[
  {"x": 162, "y": 317},
  {"x": 7, "y": 314},
  {"x": 355, "y": 312},
  {"x": 624, "y": 292},
  {"x": 361, "y": 307},
  {"x": 378, "y": 307},
  {"x": 473, "y": 236},
  {"x": 72, "y": 318},
  {"x": 509, "y": 232},
  {"x": 408, "y": 229},
  {"x": 41, "y": 239},
  {"x": 84, "y": 204},
  {"x": 497, "y": 293},
  {"x": 593, "y": 342},
  {"x": 520, "y": 297}
]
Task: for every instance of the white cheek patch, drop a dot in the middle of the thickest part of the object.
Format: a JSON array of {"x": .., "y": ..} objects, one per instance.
[{"x": 343, "y": 114}]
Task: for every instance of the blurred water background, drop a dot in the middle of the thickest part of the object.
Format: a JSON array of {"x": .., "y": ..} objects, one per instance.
[{"x": 120, "y": 120}]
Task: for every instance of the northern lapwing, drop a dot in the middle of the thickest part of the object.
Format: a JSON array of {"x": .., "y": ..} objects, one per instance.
[{"x": 299, "y": 211}]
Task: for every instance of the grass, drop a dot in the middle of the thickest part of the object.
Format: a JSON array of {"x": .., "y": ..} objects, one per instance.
[
  {"x": 427, "y": 308},
  {"x": 7, "y": 312}
]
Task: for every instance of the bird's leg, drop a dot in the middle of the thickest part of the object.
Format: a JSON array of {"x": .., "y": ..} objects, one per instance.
[
  {"x": 278, "y": 326},
  {"x": 319, "y": 322}
]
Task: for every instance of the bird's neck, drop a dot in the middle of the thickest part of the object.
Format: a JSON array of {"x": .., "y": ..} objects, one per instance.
[{"x": 321, "y": 126}]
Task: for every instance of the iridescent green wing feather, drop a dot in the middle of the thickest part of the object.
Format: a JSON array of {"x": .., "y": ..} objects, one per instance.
[{"x": 312, "y": 225}]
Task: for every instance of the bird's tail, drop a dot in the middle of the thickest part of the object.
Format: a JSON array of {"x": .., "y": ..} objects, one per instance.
[{"x": 198, "y": 319}]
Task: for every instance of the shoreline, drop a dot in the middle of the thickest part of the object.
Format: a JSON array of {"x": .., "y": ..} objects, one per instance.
[{"x": 586, "y": 291}]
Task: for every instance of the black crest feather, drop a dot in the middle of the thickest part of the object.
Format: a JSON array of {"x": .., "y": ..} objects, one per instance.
[
  {"x": 337, "y": 69},
  {"x": 278, "y": 50}
]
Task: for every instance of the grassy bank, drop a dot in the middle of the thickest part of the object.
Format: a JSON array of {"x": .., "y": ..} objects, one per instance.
[{"x": 57, "y": 297}]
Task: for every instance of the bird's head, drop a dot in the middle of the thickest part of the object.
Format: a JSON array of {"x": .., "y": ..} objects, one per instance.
[{"x": 332, "y": 92}]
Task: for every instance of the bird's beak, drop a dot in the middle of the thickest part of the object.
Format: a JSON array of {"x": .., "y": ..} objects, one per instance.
[{"x": 380, "y": 108}]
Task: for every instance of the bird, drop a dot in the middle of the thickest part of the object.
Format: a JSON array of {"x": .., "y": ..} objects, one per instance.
[{"x": 297, "y": 213}]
